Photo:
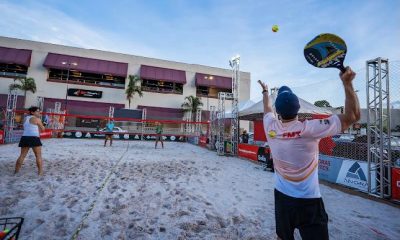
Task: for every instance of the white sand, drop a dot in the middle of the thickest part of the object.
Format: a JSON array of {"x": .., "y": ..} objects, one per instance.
[{"x": 180, "y": 192}]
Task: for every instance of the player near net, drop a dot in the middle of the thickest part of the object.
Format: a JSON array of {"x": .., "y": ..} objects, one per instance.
[{"x": 294, "y": 148}]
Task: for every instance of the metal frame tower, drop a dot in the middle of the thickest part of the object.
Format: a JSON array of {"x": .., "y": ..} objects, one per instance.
[
  {"x": 10, "y": 115},
  {"x": 222, "y": 97},
  {"x": 378, "y": 128},
  {"x": 234, "y": 63},
  {"x": 213, "y": 123}
]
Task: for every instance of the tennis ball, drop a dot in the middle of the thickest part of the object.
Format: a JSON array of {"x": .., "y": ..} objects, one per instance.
[{"x": 275, "y": 28}]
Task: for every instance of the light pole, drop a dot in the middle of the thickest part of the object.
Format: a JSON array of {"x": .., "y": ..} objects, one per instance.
[{"x": 69, "y": 64}]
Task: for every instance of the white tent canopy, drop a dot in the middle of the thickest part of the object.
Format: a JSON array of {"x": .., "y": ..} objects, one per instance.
[
  {"x": 242, "y": 106},
  {"x": 305, "y": 107}
]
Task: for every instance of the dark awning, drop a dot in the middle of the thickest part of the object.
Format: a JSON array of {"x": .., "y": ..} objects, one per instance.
[
  {"x": 162, "y": 74},
  {"x": 90, "y": 65},
  {"x": 15, "y": 56},
  {"x": 82, "y": 107},
  {"x": 3, "y": 101},
  {"x": 162, "y": 113},
  {"x": 207, "y": 80}
]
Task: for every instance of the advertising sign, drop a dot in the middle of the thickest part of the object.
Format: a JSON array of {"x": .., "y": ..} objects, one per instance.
[
  {"x": 75, "y": 92},
  {"x": 1, "y": 137},
  {"x": 248, "y": 151},
  {"x": 396, "y": 184},
  {"x": 355, "y": 174},
  {"x": 329, "y": 167}
]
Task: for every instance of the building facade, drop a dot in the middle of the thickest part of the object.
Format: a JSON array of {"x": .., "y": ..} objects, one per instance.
[{"x": 93, "y": 80}]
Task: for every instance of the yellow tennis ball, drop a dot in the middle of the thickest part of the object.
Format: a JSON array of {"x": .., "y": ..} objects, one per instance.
[{"x": 275, "y": 28}]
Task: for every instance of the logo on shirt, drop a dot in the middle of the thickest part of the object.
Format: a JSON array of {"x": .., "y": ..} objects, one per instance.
[
  {"x": 291, "y": 134},
  {"x": 272, "y": 133},
  {"x": 324, "y": 121}
]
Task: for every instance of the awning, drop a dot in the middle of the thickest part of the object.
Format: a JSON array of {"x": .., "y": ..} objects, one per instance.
[
  {"x": 207, "y": 80},
  {"x": 15, "y": 56},
  {"x": 90, "y": 65},
  {"x": 3, "y": 101},
  {"x": 160, "y": 113},
  {"x": 162, "y": 74},
  {"x": 82, "y": 107}
]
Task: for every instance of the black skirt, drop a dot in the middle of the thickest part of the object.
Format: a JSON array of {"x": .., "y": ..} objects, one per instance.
[{"x": 29, "y": 141}]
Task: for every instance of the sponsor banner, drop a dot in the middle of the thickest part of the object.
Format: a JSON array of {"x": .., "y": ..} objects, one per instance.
[
  {"x": 1, "y": 137},
  {"x": 248, "y": 151},
  {"x": 193, "y": 140},
  {"x": 396, "y": 184},
  {"x": 121, "y": 136},
  {"x": 46, "y": 133},
  {"x": 263, "y": 154},
  {"x": 355, "y": 174},
  {"x": 203, "y": 141},
  {"x": 75, "y": 92},
  {"x": 329, "y": 167}
]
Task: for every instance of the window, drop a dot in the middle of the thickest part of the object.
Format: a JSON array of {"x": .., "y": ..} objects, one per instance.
[
  {"x": 86, "y": 78},
  {"x": 210, "y": 92},
  {"x": 13, "y": 70},
  {"x": 162, "y": 86}
]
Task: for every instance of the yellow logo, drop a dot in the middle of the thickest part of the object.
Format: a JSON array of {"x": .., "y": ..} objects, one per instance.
[{"x": 272, "y": 133}]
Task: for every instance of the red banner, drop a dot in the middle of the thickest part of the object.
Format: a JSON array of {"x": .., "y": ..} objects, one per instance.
[
  {"x": 203, "y": 141},
  {"x": 46, "y": 133},
  {"x": 1, "y": 137},
  {"x": 259, "y": 133},
  {"x": 248, "y": 151},
  {"x": 396, "y": 184}
]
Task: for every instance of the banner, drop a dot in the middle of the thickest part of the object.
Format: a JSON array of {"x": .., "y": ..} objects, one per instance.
[
  {"x": 75, "y": 92},
  {"x": 396, "y": 184},
  {"x": 355, "y": 174},
  {"x": 248, "y": 151},
  {"x": 1, "y": 137},
  {"x": 329, "y": 167},
  {"x": 46, "y": 134},
  {"x": 121, "y": 136}
]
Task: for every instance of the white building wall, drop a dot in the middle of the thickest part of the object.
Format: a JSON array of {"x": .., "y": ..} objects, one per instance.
[{"x": 112, "y": 95}]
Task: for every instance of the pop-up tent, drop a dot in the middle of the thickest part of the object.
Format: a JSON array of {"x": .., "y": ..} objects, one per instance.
[{"x": 256, "y": 110}]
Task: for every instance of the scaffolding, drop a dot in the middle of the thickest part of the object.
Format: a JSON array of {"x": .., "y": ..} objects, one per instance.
[
  {"x": 222, "y": 98},
  {"x": 110, "y": 113},
  {"x": 214, "y": 127},
  {"x": 144, "y": 116},
  {"x": 378, "y": 128},
  {"x": 234, "y": 63},
  {"x": 40, "y": 103},
  {"x": 234, "y": 97},
  {"x": 10, "y": 115}
]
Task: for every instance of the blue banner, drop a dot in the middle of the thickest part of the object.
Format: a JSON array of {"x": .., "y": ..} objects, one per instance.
[{"x": 329, "y": 167}]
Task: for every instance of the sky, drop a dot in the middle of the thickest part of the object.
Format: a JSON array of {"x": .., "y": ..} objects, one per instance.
[{"x": 210, "y": 32}]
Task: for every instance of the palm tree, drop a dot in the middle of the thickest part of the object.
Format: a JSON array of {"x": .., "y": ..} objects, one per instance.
[
  {"x": 132, "y": 88},
  {"x": 192, "y": 104},
  {"x": 26, "y": 85}
]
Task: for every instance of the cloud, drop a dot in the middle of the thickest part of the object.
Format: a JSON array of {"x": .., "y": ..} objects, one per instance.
[{"x": 43, "y": 23}]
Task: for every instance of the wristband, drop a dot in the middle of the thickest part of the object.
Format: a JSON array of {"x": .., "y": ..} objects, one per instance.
[{"x": 264, "y": 91}]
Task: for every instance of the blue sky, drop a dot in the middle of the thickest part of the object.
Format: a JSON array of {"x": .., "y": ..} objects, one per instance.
[{"x": 211, "y": 32}]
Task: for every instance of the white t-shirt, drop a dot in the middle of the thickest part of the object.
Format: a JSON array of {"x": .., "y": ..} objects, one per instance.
[{"x": 294, "y": 149}]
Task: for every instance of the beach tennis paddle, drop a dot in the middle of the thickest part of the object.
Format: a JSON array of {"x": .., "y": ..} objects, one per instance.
[{"x": 326, "y": 51}]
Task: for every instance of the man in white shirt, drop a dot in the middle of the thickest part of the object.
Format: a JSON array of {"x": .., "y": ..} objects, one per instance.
[{"x": 294, "y": 148}]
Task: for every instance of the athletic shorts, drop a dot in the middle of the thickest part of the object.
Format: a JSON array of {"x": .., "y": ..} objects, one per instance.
[
  {"x": 29, "y": 141},
  {"x": 159, "y": 137},
  {"x": 306, "y": 214}
]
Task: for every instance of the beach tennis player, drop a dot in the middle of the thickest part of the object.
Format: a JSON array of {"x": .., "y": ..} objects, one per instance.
[
  {"x": 159, "y": 131},
  {"x": 31, "y": 139},
  {"x": 109, "y": 132},
  {"x": 294, "y": 148}
]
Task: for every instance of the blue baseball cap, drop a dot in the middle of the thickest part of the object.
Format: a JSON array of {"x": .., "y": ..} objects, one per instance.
[{"x": 287, "y": 103}]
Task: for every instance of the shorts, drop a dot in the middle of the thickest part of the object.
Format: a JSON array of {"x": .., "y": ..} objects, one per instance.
[
  {"x": 159, "y": 137},
  {"x": 109, "y": 135},
  {"x": 29, "y": 141},
  {"x": 306, "y": 214}
]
